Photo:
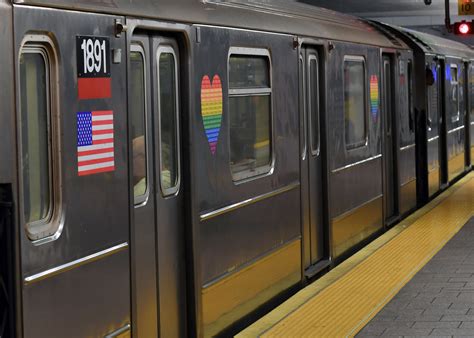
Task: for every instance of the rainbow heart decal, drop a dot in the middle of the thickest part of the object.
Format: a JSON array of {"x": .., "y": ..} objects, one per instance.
[
  {"x": 211, "y": 109},
  {"x": 374, "y": 95}
]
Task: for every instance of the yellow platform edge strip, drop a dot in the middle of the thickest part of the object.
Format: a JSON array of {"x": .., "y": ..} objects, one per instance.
[{"x": 344, "y": 300}]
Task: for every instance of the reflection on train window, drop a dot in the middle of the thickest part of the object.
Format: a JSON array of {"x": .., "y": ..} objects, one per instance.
[
  {"x": 35, "y": 137},
  {"x": 411, "y": 119},
  {"x": 138, "y": 116},
  {"x": 454, "y": 94},
  {"x": 249, "y": 115},
  {"x": 355, "y": 102},
  {"x": 169, "y": 147},
  {"x": 314, "y": 103},
  {"x": 433, "y": 98}
]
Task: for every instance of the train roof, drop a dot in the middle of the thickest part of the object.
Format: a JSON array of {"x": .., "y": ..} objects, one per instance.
[
  {"x": 282, "y": 16},
  {"x": 432, "y": 44}
]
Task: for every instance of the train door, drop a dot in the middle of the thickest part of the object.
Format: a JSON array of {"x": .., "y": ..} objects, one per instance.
[
  {"x": 443, "y": 148},
  {"x": 467, "y": 112},
  {"x": 158, "y": 225},
  {"x": 390, "y": 154},
  {"x": 471, "y": 110},
  {"x": 314, "y": 231}
]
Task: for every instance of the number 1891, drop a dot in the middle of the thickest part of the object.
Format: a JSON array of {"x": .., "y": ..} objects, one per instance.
[{"x": 94, "y": 54}]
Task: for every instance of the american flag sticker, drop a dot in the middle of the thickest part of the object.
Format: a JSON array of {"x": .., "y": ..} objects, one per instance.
[{"x": 95, "y": 142}]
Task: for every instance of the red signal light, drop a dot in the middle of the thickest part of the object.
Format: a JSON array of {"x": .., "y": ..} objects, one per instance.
[{"x": 464, "y": 28}]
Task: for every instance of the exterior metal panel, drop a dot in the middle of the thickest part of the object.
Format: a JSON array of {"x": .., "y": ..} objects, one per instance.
[
  {"x": 87, "y": 228},
  {"x": 407, "y": 174},
  {"x": 229, "y": 299},
  {"x": 455, "y": 119},
  {"x": 230, "y": 240},
  {"x": 95, "y": 210},
  {"x": 355, "y": 179},
  {"x": 407, "y": 197},
  {"x": 276, "y": 16},
  {"x": 236, "y": 235},
  {"x": 7, "y": 118},
  {"x": 433, "y": 166},
  {"x": 8, "y": 176},
  {"x": 89, "y": 301},
  {"x": 355, "y": 226},
  {"x": 407, "y": 165},
  {"x": 365, "y": 179},
  {"x": 434, "y": 181},
  {"x": 242, "y": 235},
  {"x": 406, "y": 137}
]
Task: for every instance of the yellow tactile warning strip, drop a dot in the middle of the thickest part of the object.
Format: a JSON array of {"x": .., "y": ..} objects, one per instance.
[{"x": 343, "y": 307}]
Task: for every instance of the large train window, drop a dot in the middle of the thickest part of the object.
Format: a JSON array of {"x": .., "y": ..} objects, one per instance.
[
  {"x": 39, "y": 164},
  {"x": 355, "y": 102},
  {"x": 455, "y": 114},
  {"x": 168, "y": 120},
  {"x": 138, "y": 115},
  {"x": 249, "y": 112}
]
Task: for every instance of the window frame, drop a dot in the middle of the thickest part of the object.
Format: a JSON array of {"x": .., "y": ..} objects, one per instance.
[
  {"x": 142, "y": 200},
  {"x": 452, "y": 82},
  {"x": 302, "y": 87},
  {"x": 314, "y": 151},
  {"x": 268, "y": 169},
  {"x": 49, "y": 228},
  {"x": 168, "y": 47},
  {"x": 365, "y": 142}
]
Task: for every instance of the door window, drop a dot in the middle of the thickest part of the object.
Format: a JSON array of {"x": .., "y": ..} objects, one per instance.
[
  {"x": 39, "y": 166},
  {"x": 138, "y": 116},
  {"x": 314, "y": 103},
  {"x": 454, "y": 94},
  {"x": 169, "y": 122}
]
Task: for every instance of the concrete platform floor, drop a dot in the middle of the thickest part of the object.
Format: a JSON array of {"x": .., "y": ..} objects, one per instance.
[{"x": 439, "y": 300}]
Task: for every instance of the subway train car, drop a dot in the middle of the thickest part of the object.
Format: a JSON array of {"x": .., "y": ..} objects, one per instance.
[
  {"x": 443, "y": 109},
  {"x": 170, "y": 167}
]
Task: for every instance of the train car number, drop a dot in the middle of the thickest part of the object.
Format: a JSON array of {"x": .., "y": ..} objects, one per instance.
[{"x": 93, "y": 56}]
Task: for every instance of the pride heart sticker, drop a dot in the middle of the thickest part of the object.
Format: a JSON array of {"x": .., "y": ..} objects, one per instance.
[{"x": 211, "y": 109}]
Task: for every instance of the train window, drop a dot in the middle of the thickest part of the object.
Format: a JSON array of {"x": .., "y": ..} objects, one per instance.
[
  {"x": 138, "y": 115},
  {"x": 355, "y": 102},
  {"x": 169, "y": 125},
  {"x": 38, "y": 144},
  {"x": 314, "y": 102},
  {"x": 249, "y": 112},
  {"x": 432, "y": 86},
  {"x": 454, "y": 94},
  {"x": 411, "y": 120}
]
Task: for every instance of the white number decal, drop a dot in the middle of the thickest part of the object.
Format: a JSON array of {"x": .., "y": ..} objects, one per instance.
[
  {"x": 94, "y": 55},
  {"x": 90, "y": 56},
  {"x": 104, "y": 55},
  {"x": 97, "y": 56}
]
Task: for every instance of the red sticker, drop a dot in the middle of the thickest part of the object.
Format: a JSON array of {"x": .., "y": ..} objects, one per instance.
[{"x": 94, "y": 88}]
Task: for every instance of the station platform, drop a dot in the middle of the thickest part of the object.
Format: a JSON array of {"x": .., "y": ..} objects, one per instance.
[{"x": 415, "y": 280}]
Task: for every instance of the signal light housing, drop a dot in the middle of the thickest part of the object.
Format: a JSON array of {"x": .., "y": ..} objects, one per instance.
[{"x": 463, "y": 28}]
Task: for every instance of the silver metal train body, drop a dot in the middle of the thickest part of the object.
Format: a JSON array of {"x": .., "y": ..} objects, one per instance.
[{"x": 171, "y": 168}]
